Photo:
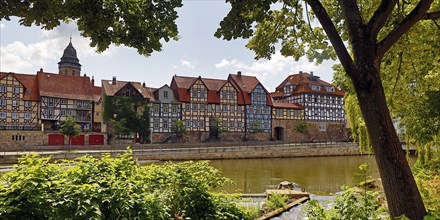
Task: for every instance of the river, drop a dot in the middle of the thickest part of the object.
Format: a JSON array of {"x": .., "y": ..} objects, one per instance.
[{"x": 317, "y": 175}]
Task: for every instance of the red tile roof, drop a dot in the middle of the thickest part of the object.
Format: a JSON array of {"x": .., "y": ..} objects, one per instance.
[
  {"x": 287, "y": 105},
  {"x": 97, "y": 93},
  {"x": 111, "y": 90},
  {"x": 246, "y": 85},
  {"x": 303, "y": 80},
  {"x": 30, "y": 84},
  {"x": 63, "y": 86},
  {"x": 181, "y": 85}
]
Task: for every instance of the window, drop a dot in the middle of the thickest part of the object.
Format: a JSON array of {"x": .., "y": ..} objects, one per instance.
[
  {"x": 201, "y": 123},
  {"x": 194, "y": 123},
  {"x": 16, "y": 90},
  {"x": 165, "y": 108},
  {"x": 63, "y": 101},
  {"x": 209, "y": 108},
  {"x": 165, "y": 124},
  {"x": 322, "y": 127},
  {"x": 239, "y": 110},
  {"x": 258, "y": 109},
  {"x": 27, "y": 104},
  {"x": 202, "y": 107},
  {"x": 194, "y": 93},
  {"x": 194, "y": 107},
  {"x": 232, "y": 95},
  {"x": 202, "y": 93},
  {"x": 187, "y": 123},
  {"x": 156, "y": 108},
  {"x": 266, "y": 124},
  {"x": 14, "y": 115},
  {"x": 2, "y": 88},
  {"x": 165, "y": 94},
  {"x": 3, "y": 102},
  {"x": 266, "y": 110},
  {"x": 156, "y": 123},
  {"x": 15, "y": 103},
  {"x": 187, "y": 107},
  {"x": 232, "y": 109},
  {"x": 239, "y": 125},
  {"x": 217, "y": 108},
  {"x": 224, "y": 95},
  {"x": 224, "y": 124},
  {"x": 63, "y": 112},
  {"x": 27, "y": 116},
  {"x": 225, "y": 108},
  {"x": 2, "y": 115},
  {"x": 231, "y": 124},
  {"x": 174, "y": 108}
]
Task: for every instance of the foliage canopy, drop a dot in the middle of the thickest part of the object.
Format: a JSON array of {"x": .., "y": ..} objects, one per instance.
[{"x": 114, "y": 188}]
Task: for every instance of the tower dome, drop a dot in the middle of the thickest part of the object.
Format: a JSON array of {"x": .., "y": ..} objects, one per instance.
[{"x": 69, "y": 64}]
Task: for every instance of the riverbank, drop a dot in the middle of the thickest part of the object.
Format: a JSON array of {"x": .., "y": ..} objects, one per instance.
[{"x": 200, "y": 152}]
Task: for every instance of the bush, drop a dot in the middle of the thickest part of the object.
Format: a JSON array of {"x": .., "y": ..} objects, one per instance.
[
  {"x": 114, "y": 188},
  {"x": 276, "y": 201}
]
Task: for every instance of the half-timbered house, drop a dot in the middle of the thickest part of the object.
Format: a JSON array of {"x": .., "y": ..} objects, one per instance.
[
  {"x": 323, "y": 104},
  {"x": 257, "y": 105},
  {"x": 63, "y": 96},
  {"x": 18, "y": 102},
  {"x": 165, "y": 110}
]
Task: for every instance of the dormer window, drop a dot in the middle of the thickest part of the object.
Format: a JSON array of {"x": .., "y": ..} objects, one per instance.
[
  {"x": 329, "y": 89},
  {"x": 165, "y": 94},
  {"x": 314, "y": 87}
]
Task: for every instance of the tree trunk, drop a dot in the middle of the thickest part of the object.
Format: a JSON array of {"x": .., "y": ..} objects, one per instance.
[{"x": 400, "y": 187}]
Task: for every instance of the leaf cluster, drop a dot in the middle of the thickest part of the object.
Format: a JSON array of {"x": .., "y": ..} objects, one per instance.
[
  {"x": 141, "y": 24},
  {"x": 114, "y": 188},
  {"x": 70, "y": 128}
]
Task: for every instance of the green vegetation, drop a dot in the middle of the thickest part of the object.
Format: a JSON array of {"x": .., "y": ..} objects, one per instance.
[
  {"x": 128, "y": 115},
  {"x": 302, "y": 128},
  {"x": 352, "y": 203},
  {"x": 276, "y": 201},
  {"x": 70, "y": 128},
  {"x": 114, "y": 188},
  {"x": 141, "y": 24},
  {"x": 179, "y": 129}
]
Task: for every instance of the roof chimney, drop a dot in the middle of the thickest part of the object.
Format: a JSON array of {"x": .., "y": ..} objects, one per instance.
[
  {"x": 311, "y": 73},
  {"x": 239, "y": 74},
  {"x": 85, "y": 75},
  {"x": 114, "y": 80},
  {"x": 41, "y": 70},
  {"x": 93, "y": 81},
  {"x": 143, "y": 84}
]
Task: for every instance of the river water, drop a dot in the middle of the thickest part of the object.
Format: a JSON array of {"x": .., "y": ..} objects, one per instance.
[{"x": 317, "y": 175}]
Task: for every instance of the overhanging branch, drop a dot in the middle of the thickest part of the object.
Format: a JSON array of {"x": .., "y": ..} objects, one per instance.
[
  {"x": 380, "y": 16},
  {"x": 335, "y": 38},
  {"x": 412, "y": 18},
  {"x": 431, "y": 15}
]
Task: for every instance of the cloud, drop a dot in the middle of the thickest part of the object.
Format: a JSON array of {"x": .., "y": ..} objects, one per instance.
[
  {"x": 20, "y": 57},
  {"x": 189, "y": 64},
  {"x": 279, "y": 66},
  {"x": 2, "y": 26}
]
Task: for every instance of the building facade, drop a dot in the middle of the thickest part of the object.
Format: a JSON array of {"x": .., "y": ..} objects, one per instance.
[{"x": 165, "y": 110}]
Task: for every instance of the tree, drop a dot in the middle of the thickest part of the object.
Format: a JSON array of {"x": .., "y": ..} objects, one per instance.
[
  {"x": 370, "y": 28},
  {"x": 301, "y": 127},
  {"x": 179, "y": 128},
  {"x": 141, "y": 24},
  {"x": 70, "y": 128}
]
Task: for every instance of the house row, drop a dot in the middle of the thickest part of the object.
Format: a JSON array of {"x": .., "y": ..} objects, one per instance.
[{"x": 232, "y": 109}]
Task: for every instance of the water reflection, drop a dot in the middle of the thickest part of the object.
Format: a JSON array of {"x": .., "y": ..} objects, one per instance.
[{"x": 318, "y": 175}]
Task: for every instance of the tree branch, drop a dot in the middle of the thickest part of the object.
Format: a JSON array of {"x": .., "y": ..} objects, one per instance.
[
  {"x": 335, "y": 38},
  {"x": 431, "y": 15},
  {"x": 380, "y": 16},
  {"x": 355, "y": 25},
  {"x": 409, "y": 21}
]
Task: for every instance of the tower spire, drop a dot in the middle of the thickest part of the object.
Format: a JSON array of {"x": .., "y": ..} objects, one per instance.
[{"x": 69, "y": 63}]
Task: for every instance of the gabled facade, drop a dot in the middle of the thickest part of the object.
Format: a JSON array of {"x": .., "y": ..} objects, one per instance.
[
  {"x": 164, "y": 110},
  {"x": 63, "y": 96},
  {"x": 137, "y": 102},
  {"x": 18, "y": 102},
  {"x": 321, "y": 100},
  {"x": 97, "y": 108},
  {"x": 257, "y": 103}
]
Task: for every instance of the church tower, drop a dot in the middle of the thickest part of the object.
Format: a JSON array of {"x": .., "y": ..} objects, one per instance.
[{"x": 69, "y": 64}]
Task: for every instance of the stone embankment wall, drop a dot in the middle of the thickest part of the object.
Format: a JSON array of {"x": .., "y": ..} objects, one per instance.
[{"x": 206, "y": 153}]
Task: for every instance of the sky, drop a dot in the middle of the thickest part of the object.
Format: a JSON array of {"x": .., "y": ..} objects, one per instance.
[{"x": 196, "y": 53}]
